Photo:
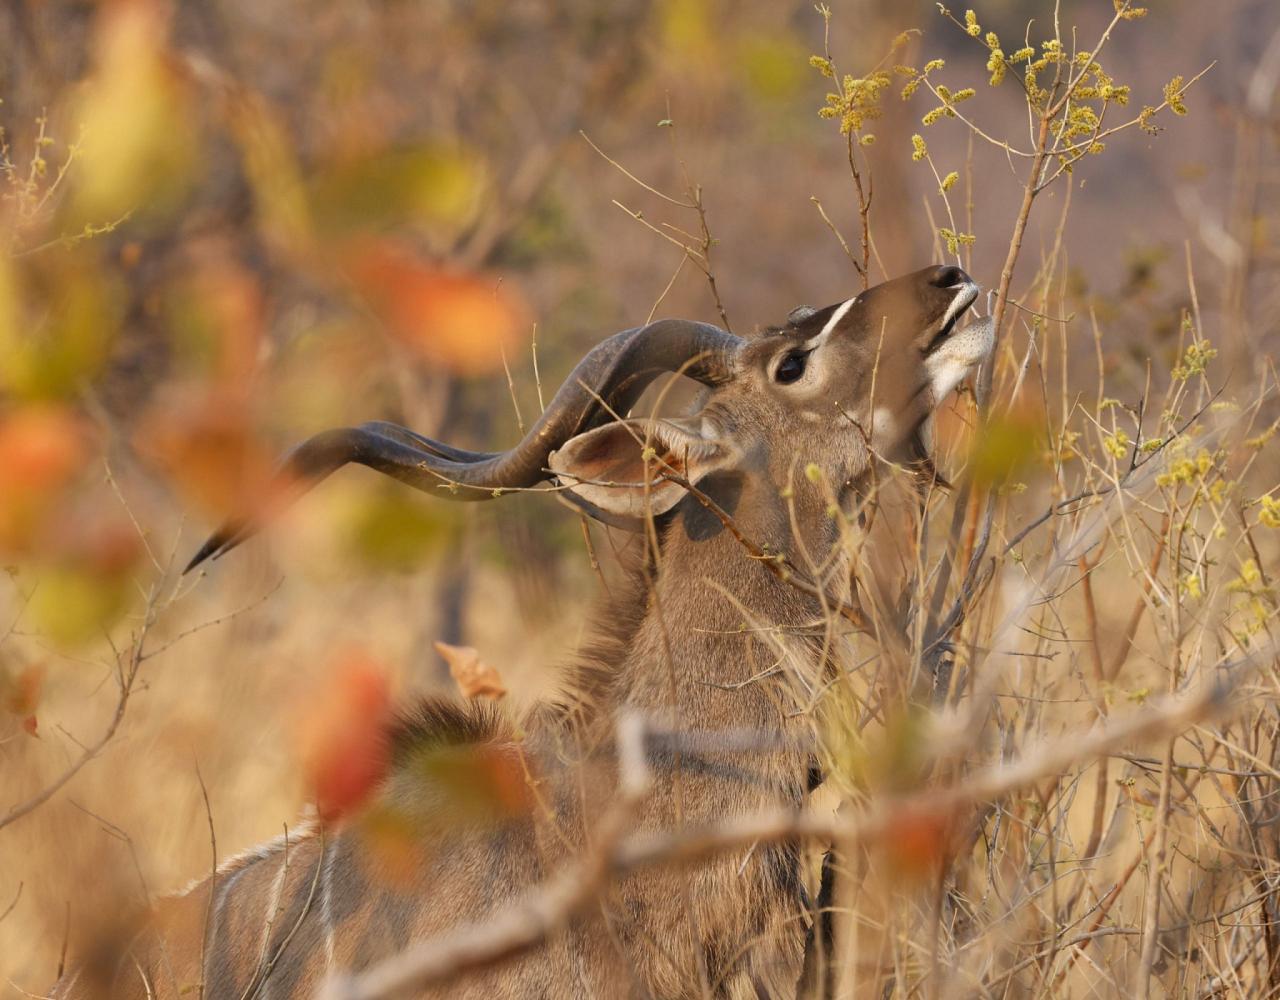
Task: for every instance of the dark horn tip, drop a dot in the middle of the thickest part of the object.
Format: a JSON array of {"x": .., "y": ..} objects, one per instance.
[
  {"x": 206, "y": 550},
  {"x": 220, "y": 542}
]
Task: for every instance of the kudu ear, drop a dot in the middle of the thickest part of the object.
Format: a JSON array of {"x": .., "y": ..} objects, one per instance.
[{"x": 625, "y": 468}]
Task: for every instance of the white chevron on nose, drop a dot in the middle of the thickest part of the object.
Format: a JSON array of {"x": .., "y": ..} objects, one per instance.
[{"x": 835, "y": 319}]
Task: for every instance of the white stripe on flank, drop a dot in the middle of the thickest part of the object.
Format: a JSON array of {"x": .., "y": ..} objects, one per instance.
[
  {"x": 836, "y": 317},
  {"x": 146, "y": 983},
  {"x": 326, "y": 911},
  {"x": 269, "y": 920},
  {"x": 215, "y": 918},
  {"x": 65, "y": 994}
]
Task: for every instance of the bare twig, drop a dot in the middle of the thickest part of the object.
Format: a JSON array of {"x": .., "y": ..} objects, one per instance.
[{"x": 13, "y": 903}]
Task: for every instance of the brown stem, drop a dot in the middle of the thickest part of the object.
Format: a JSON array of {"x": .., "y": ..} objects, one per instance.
[
  {"x": 1139, "y": 608},
  {"x": 128, "y": 677},
  {"x": 1029, "y": 191},
  {"x": 1155, "y": 873},
  {"x": 864, "y": 214}
]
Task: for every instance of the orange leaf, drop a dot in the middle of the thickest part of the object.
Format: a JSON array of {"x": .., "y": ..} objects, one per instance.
[
  {"x": 459, "y": 320},
  {"x": 917, "y": 840},
  {"x": 222, "y": 317},
  {"x": 208, "y": 448},
  {"x": 22, "y": 691},
  {"x": 41, "y": 450},
  {"x": 474, "y": 677},
  {"x": 343, "y": 740}
]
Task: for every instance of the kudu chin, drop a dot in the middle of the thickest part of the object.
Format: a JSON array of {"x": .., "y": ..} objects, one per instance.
[{"x": 791, "y": 421}]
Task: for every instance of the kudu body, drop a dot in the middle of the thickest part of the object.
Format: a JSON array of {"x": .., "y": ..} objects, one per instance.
[{"x": 790, "y": 423}]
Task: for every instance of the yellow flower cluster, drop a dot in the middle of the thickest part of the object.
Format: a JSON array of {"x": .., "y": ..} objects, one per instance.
[
  {"x": 1195, "y": 360},
  {"x": 1117, "y": 444},
  {"x": 1269, "y": 516},
  {"x": 1259, "y": 598},
  {"x": 1187, "y": 470},
  {"x": 955, "y": 241},
  {"x": 858, "y": 101},
  {"x": 1248, "y": 579},
  {"x": 1128, "y": 13}
]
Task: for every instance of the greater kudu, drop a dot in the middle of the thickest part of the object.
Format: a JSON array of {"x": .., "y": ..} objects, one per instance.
[{"x": 790, "y": 424}]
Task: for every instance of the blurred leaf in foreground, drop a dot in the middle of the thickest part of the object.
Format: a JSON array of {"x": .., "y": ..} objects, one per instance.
[
  {"x": 20, "y": 691},
  {"x": 460, "y": 321},
  {"x": 83, "y": 582},
  {"x": 217, "y": 316},
  {"x": 389, "y": 528},
  {"x": 71, "y": 604},
  {"x": 1004, "y": 447},
  {"x": 469, "y": 783},
  {"x": 688, "y": 27},
  {"x": 433, "y": 187},
  {"x": 51, "y": 350},
  {"x": 917, "y": 841},
  {"x": 773, "y": 65},
  {"x": 343, "y": 734},
  {"x": 206, "y": 446},
  {"x": 271, "y": 167},
  {"x": 139, "y": 144},
  {"x": 42, "y": 448}
]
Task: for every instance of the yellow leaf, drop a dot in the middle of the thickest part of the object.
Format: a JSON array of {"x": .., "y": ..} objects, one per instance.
[{"x": 138, "y": 134}]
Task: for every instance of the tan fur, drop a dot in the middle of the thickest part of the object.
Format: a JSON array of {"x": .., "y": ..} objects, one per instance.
[{"x": 704, "y": 639}]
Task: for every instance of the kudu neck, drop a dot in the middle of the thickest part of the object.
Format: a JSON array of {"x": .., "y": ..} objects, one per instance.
[{"x": 723, "y": 637}]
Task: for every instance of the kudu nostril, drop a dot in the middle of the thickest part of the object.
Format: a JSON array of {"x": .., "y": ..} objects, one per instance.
[{"x": 948, "y": 276}]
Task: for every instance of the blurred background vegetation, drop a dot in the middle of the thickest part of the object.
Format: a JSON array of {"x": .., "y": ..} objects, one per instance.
[{"x": 227, "y": 224}]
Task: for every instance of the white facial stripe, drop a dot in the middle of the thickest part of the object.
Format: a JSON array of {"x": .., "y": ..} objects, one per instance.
[
  {"x": 964, "y": 297},
  {"x": 836, "y": 317}
]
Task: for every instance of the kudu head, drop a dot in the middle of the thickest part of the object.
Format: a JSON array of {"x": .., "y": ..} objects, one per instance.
[{"x": 831, "y": 388}]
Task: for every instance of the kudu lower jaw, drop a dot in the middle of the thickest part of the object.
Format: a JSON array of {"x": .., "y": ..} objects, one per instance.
[{"x": 791, "y": 421}]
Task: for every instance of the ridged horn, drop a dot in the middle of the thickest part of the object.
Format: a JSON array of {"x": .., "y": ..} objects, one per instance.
[{"x": 608, "y": 381}]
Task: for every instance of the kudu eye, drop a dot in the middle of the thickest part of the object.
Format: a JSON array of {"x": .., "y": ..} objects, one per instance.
[{"x": 791, "y": 367}]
